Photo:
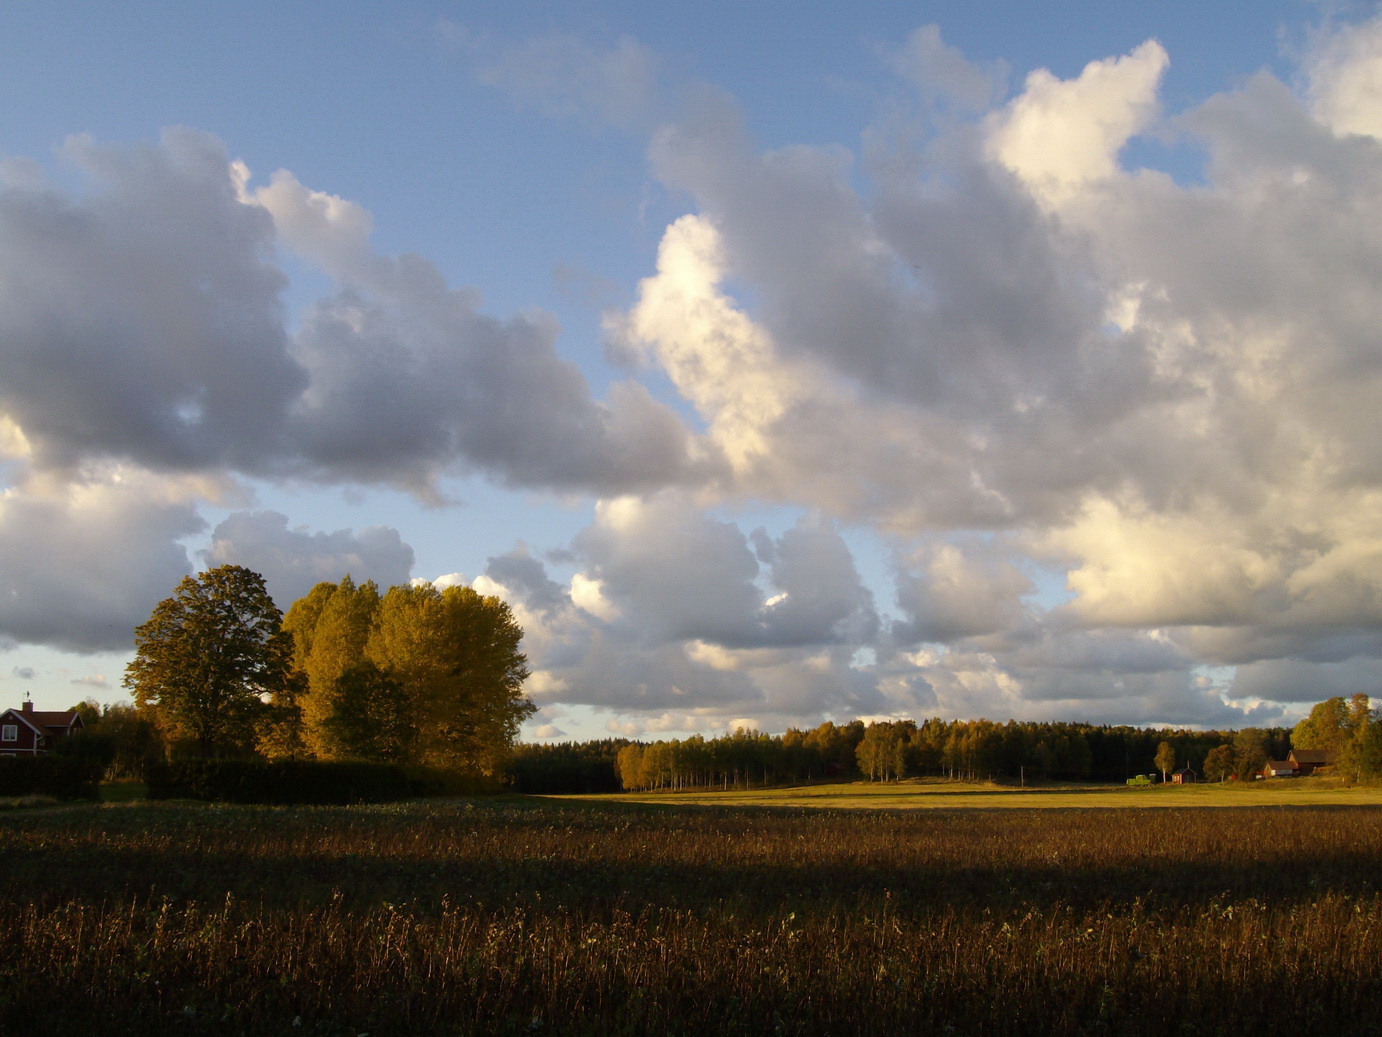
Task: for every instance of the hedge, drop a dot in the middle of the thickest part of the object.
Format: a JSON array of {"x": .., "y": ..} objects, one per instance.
[
  {"x": 305, "y": 781},
  {"x": 66, "y": 777}
]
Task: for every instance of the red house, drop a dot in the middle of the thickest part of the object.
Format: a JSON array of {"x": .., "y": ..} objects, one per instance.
[{"x": 26, "y": 731}]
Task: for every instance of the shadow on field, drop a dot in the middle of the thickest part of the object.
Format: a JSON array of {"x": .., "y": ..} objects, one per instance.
[{"x": 594, "y": 859}]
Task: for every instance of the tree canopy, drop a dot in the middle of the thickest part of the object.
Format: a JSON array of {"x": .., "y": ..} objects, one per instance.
[
  {"x": 209, "y": 658},
  {"x": 1165, "y": 758},
  {"x": 1331, "y": 724},
  {"x": 1218, "y": 763},
  {"x": 416, "y": 674}
]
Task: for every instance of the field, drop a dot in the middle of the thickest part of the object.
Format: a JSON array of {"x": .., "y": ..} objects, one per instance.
[
  {"x": 578, "y": 917},
  {"x": 935, "y": 793}
]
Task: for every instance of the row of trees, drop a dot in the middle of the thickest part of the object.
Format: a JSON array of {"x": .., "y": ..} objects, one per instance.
[
  {"x": 557, "y": 767},
  {"x": 1242, "y": 756},
  {"x": 889, "y": 750},
  {"x": 421, "y": 675},
  {"x": 1350, "y": 732},
  {"x": 411, "y": 675}
]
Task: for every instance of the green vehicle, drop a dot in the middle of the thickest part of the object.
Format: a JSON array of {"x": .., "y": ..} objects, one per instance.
[{"x": 1142, "y": 779}]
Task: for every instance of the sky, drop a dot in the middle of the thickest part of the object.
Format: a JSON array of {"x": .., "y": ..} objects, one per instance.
[{"x": 775, "y": 363}]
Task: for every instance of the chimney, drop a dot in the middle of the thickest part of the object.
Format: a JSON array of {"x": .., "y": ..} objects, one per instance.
[{"x": 28, "y": 706}]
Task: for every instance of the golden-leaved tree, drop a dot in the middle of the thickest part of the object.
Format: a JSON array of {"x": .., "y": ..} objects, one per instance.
[
  {"x": 333, "y": 725},
  {"x": 416, "y": 674},
  {"x": 1350, "y": 732}
]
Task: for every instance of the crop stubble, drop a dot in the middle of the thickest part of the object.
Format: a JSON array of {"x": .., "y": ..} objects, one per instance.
[{"x": 554, "y": 917}]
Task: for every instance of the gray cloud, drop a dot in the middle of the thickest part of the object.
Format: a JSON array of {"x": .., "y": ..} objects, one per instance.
[
  {"x": 85, "y": 564},
  {"x": 673, "y": 573},
  {"x": 143, "y": 322},
  {"x": 951, "y": 591},
  {"x": 527, "y": 577},
  {"x": 292, "y": 561},
  {"x": 821, "y": 599},
  {"x": 1303, "y": 682},
  {"x": 947, "y": 80},
  {"x": 952, "y": 292},
  {"x": 675, "y": 613},
  {"x": 424, "y": 384}
]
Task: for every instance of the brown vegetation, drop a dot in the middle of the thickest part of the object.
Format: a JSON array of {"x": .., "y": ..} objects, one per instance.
[{"x": 531, "y": 916}]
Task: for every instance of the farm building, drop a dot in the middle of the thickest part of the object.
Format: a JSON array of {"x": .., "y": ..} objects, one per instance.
[
  {"x": 1307, "y": 761},
  {"x": 1279, "y": 769},
  {"x": 27, "y": 731},
  {"x": 1184, "y": 776}
]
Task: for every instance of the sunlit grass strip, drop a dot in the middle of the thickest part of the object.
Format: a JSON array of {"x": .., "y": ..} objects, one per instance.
[{"x": 947, "y": 795}]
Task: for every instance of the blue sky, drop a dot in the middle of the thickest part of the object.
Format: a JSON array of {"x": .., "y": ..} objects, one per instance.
[{"x": 938, "y": 359}]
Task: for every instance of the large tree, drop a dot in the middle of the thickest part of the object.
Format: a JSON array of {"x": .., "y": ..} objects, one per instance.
[
  {"x": 1250, "y": 753},
  {"x": 1165, "y": 759},
  {"x": 456, "y": 654},
  {"x": 417, "y": 674},
  {"x": 336, "y": 646},
  {"x": 1329, "y": 726},
  {"x": 209, "y": 659},
  {"x": 1218, "y": 764}
]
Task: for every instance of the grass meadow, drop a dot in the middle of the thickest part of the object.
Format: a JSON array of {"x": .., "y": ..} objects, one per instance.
[
  {"x": 561, "y": 916},
  {"x": 938, "y": 793}
]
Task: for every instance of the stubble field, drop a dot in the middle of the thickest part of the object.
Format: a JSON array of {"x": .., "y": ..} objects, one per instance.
[{"x": 553, "y": 916}]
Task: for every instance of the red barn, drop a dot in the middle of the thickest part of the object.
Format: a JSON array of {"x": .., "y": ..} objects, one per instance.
[
  {"x": 26, "y": 731},
  {"x": 1307, "y": 761}
]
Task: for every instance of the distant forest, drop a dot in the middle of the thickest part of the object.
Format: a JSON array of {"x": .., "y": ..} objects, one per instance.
[{"x": 971, "y": 749}]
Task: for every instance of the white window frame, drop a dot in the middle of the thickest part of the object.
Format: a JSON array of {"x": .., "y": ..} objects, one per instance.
[{"x": 9, "y": 733}]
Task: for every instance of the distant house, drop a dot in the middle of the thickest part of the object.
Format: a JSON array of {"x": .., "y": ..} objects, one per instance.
[
  {"x": 1279, "y": 769},
  {"x": 27, "y": 731},
  {"x": 1307, "y": 761},
  {"x": 1184, "y": 776}
]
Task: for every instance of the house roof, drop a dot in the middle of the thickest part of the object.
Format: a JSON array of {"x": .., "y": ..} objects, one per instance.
[
  {"x": 1311, "y": 755},
  {"x": 1279, "y": 765},
  {"x": 64, "y": 719}
]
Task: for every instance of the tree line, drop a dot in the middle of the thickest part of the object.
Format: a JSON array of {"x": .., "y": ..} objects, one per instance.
[
  {"x": 1350, "y": 732},
  {"x": 410, "y": 675},
  {"x": 421, "y": 675},
  {"x": 890, "y": 750},
  {"x": 957, "y": 749}
]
